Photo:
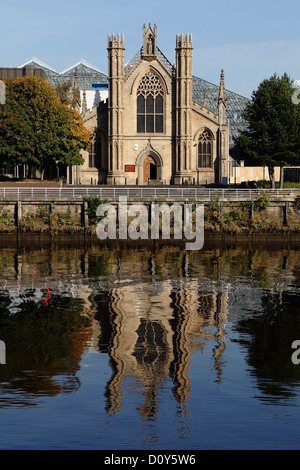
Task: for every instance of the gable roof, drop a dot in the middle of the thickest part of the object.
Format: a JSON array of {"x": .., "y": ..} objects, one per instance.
[
  {"x": 87, "y": 73},
  {"x": 38, "y": 64},
  {"x": 235, "y": 104},
  {"x": 84, "y": 64},
  {"x": 50, "y": 74}
]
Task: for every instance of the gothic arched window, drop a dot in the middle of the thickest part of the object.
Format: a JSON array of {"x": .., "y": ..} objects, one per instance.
[
  {"x": 95, "y": 150},
  {"x": 205, "y": 150},
  {"x": 150, "y": 104}
]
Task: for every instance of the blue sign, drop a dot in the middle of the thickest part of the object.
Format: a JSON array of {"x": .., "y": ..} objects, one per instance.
[{"x": 100, "y": 86}]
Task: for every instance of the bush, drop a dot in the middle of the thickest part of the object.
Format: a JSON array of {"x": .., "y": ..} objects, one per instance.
[
  {"x": 6, "y": 218},
  {"x": 93, "y": 204},
  {"x": 60, "y": 219},
  {"x": 263, "y": 184},
  {"x": 297, "y": 203},
  {"x": 43, "y": 214},
  {"x": 262, "y": 202},
  {"x": 215, "y": 204},
  {"x": 65, "y": 222}
]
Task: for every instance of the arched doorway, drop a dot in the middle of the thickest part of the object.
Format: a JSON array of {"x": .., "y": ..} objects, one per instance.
[
  {"x": 149, "y": 165},
  {"x": 149, "y": 169}
]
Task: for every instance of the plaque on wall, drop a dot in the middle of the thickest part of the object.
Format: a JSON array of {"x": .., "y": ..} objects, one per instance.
[{"x": 130, "y": 168}]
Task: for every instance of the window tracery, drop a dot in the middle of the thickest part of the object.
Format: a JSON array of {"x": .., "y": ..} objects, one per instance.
[
  {"x": 150, "y": 104},
  {"x": 95, "y": 150},
  {"x": 205, "y": 150}
]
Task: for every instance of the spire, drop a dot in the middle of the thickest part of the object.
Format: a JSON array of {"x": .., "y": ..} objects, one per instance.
[
  {"x": 76, "y": 101},
  {"x": 205, "y": 99},
  {"x": 76, "y": 79},
  {"x": 222, "y": 101},
  {"x": 222, "y": 91},
  {"x": 84, "y": 104},
  {"x": 223, "y": 133}
]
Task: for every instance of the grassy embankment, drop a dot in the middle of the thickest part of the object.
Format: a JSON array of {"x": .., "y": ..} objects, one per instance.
[
  {"x": 240, "y": 217},
  {"x": 256, "y": 217}
]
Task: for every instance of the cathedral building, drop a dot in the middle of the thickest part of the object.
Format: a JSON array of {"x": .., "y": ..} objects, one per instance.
[
  {"x": 151, "y": 129},
  {"x": 151, "y": 121}
]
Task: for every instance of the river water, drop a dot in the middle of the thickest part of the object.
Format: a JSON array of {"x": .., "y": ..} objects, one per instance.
[{"x": 111, "y": 346}]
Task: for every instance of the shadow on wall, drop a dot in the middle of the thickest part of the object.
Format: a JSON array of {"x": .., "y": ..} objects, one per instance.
[{"x": 97, "y": 98}]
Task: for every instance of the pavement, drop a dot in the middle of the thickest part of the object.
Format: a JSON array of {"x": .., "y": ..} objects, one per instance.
[{"x": 31, "y": 183}]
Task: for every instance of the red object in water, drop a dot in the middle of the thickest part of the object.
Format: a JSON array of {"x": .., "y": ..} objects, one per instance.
[{"x": 46, "y": 300}]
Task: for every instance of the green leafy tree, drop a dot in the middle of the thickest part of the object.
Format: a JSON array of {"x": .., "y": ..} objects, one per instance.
[
  {"x": 37, "y": 129},
  {"x": 273, "y": 134}
]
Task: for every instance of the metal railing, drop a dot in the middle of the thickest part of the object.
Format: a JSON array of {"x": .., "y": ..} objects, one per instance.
[{"x": 112, "y": 193}]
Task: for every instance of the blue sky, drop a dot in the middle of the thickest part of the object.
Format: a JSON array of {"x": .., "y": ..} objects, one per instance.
[{"x": 250, "y": 40}]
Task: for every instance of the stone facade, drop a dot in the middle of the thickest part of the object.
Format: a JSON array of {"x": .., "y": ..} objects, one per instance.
[{"x": 150, "y": 130}]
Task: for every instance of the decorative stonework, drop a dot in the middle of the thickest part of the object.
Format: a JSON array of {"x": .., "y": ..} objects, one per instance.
[
  {"x": 150, "y": 85},
  {"x": 205, "y": 150},
  {"x": 149, "y": 42}
]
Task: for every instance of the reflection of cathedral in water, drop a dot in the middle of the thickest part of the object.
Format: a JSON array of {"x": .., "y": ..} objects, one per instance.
[
  {"x": 150, "y": 331},
  {"x": 149, "y": 324},
  {"x": 156, "y": 313}
]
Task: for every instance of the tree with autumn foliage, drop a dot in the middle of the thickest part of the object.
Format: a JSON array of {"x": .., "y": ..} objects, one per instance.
[{"x": 37, "y": 129}]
